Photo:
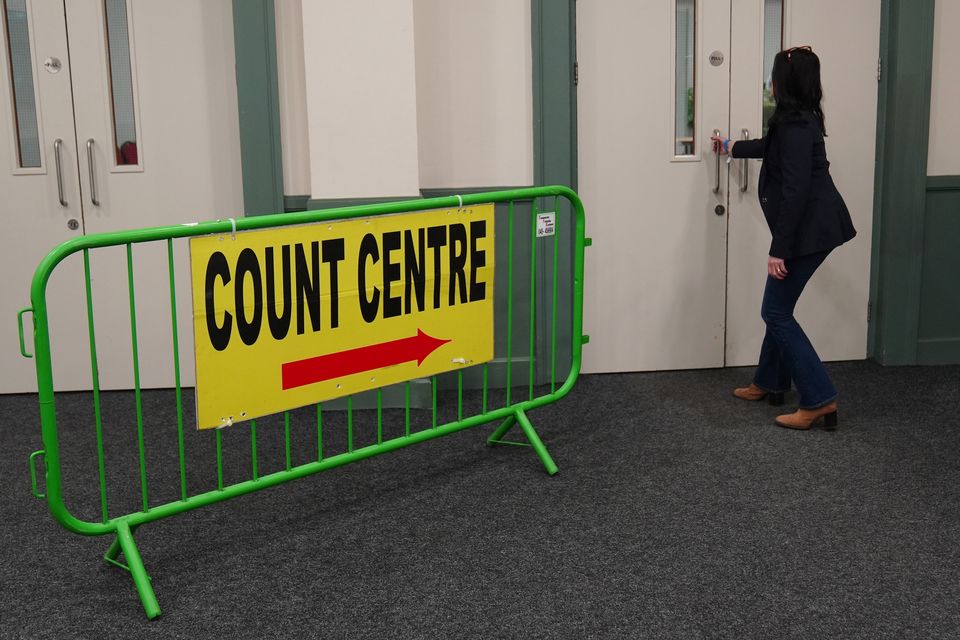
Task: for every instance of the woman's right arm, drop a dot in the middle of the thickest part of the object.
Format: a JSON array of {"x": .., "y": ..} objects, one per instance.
[
  {"x": 738, "y": 148},
  {"x": 746, "y": 148}
]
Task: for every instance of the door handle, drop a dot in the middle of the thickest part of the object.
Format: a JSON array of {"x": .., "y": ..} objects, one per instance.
[
  {"x": 57, "y": 144},
  {"x": 744, "y": 178},
  {"x": 716, "y": 189},
  {"x": 93, "y": 180}
]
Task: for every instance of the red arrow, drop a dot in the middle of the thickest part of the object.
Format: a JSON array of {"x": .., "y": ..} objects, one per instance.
[{"x": 344, "y": 363}]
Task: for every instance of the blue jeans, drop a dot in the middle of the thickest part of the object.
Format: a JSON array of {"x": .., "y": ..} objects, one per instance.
[{"x": 786, "y": 354}]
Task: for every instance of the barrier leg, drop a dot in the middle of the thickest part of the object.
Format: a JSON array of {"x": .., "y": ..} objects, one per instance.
[
  {"x": 114, "y": 551},
  {"x": 536, "y": 443},
  {"x": 505, "y": 426},
  {"x": 533, "y": 440},
  {"x": 124, "y": 543}
]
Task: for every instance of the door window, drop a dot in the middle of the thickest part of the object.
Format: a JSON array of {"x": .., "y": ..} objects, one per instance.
[
  {"x": 121, "y": 83},
  {"x": 17, "y": 31},
  {"x": 684, "y": 78},
  {"x": 772, "y": 44}
]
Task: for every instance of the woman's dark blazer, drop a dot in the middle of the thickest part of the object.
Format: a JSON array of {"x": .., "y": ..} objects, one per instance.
[{"x": 803, "y": 208}]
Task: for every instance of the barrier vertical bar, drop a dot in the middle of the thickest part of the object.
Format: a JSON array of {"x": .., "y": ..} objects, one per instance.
[
  {"x": 286, "y": 438},
  {"x": 433, "y": 385},
  {"x": 533, "y": 293},
  {"x": 95, "y": 375},
  {"x": 459, "y": 394},
  {"x": 510, "y": 303},
  {"x": 253, "y": 450},
  {"x": 379, "y": 416},
  {"x": 406, "y": 408},
  {"x": 136, "y": 378},
  {"x": 219, "y": 439},
  {"x": 319, "y": 432},
  {"x": 556, "y": 274},
  {"x": 350, "y": 424},
  {"x": 486, "y": 377},
  {"x": 176, "y": 370}
]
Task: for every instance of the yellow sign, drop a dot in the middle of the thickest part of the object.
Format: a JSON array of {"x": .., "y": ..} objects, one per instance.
[{"x": 288, "y": 317}]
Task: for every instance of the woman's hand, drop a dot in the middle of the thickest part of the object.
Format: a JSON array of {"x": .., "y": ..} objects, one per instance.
[
  {"x": 723, "y": 146},
  {"x": 776, "y": 268}
]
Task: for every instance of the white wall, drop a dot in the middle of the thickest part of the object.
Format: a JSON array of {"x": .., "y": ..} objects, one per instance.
[
  {"x": 293, "y": 98},
  {"x": 944, "y": 153},
  {"x": 474, "y": 92},
  {"x": 361, "y": 98}
]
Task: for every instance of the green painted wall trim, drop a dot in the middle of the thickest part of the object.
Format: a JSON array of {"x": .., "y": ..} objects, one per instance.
[
  {"x": 939, "y": 328},
  {"x": 315, "y": 204},
  {"x": 943, "y": 183},
  {"x": 295, "y": 203},
  {"x": 258, "y": 101},
  {"x": 907, "y": 55},
  {"x": 554, "y": 93},
  {"x": 443, "y": 192},
  {"x": 554, "y": 41},
  {"x": 935, "y": 352},
  {"x": 882, "y": 90}
]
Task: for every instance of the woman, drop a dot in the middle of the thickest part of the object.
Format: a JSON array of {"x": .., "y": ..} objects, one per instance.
[{"x": 808, "y": 219}]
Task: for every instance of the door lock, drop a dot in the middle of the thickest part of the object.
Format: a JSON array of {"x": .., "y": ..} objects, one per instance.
[
  {"x": 719, "y": 210},
  {"x": 73, "y": 224}
]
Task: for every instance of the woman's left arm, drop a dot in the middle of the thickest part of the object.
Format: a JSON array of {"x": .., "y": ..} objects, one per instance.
[{"x": 796, "y": 162}]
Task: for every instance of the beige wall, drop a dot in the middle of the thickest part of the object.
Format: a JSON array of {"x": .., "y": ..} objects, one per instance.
[
  {"x": 944, "y": 154},
  {"x": 293, "y": 98},
  {"x": 384, "y": 97},
  {"x": 474, "y": 92},
  {"x": 361, "y": 98}
]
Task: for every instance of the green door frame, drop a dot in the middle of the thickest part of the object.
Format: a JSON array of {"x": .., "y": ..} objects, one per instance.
[
  {"x": 555, "y": 162},
  {"x": 258, "y": 103},
  {"x": 903, "y": 126}
]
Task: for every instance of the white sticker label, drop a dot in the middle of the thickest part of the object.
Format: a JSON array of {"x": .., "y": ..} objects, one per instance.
[{"x": 546, "y": 224}]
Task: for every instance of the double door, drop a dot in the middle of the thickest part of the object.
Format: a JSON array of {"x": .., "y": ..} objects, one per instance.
[
  {"x": 114, "y": 114},
  {"x": 677, "y": 273}
]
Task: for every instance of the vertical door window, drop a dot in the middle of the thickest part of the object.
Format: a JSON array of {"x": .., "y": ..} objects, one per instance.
[
  {"x": 684, "y": 79},
  {"x": 121, "y": 83},
  {"x": 772, "y": 44},
  {"x": 17, "y": 32}
]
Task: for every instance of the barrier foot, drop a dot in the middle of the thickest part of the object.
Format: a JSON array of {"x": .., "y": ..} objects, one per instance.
[
  {"x": 125, "y": 544},
  {"x": 533, "y": 440}
]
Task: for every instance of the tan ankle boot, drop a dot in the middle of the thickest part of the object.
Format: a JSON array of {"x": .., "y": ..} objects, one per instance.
[
  {"x": 804, "y": 418},
  {"x": 753, "y": 393}
]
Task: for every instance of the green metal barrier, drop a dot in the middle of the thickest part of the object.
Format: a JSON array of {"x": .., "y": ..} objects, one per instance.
[{"x": 512, "y": 413}]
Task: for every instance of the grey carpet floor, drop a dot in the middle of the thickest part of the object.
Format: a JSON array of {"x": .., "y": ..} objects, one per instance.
[{"x": 678, "y": 512}]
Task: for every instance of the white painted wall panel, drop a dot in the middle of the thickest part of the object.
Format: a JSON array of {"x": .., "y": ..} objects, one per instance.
[
  {"x": 361, "y": 98},
  {"x": 944, "y": 153},
  {"x": 293, "y": 98},
  {"x": 474, "y": 92}
]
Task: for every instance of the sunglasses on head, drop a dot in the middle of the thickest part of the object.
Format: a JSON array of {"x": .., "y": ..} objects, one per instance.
[{"x": 791, "y": 50}]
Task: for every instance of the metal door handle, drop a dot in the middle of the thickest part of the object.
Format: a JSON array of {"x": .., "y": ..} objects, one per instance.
[
  {"x": 744, "y": 179},
  {"x": 716, "y": 189},
  {"x": 56, "y": 156},
  {"x": 93, "y": 181}
]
